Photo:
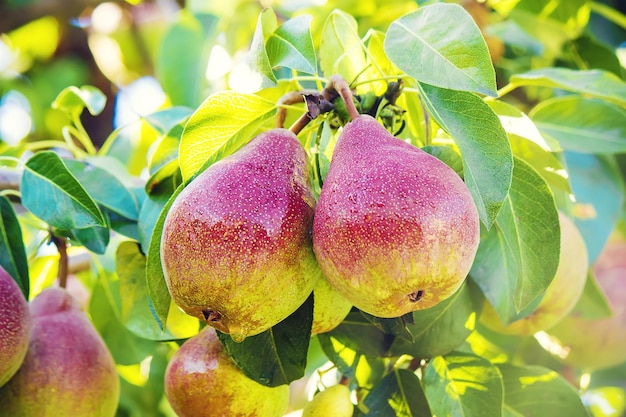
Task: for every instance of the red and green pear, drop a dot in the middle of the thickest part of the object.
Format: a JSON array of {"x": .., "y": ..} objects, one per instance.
[
  {"x": 395, "y": 229},
  {"x": 68, "y": 370},
  {"x": 15, "y": 327},
  {"x": 202, "y": 380},
  {"x": 236, "y": 247}
]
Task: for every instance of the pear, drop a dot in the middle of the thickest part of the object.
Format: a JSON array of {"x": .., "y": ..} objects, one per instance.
[
  {"x": 202, "y": 380},
  {"x": 333, "y": 401},
  {"x": 329, "y": 308},
  {"x": 236, "y": 247},
  {"x": 14, "y": 327},
  {"x": 561, "y": 295},
  {"x": 395, "y": 229},
  {"x": 68, "y": 370}
]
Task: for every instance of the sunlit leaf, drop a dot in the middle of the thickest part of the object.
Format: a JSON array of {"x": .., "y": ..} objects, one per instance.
[
  {"x": 441, "y": 45},
  {"x": 463, "y": 384},
  {"x": 291, "y": 45},
  {"x": 53, "y": 194},
  {"x": 593, "y": 303},
  {"x": 221, "y": 125},
  {"x": 73, "y": 100},
  {"x": 12, "y": 253},
  {"x": 399, "y": 394},
  {"x": 518, "y": 257},
  {"x": 165, "y": 120}
]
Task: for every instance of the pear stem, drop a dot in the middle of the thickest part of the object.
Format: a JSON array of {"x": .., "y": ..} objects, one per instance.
[
  {"x": 340, "y": 85},
  {"x": 61, "y": 245},
  {"x": 292, "y": 97}
]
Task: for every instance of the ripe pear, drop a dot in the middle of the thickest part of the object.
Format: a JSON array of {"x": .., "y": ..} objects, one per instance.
[
  {"x": 236, "y": 247},
  {"x": 329, "y": 308},
  {"x": 333, "y": 401},
  {"x": 202, "y": 380},
  {"x": 599, "y": 343},
  {"x": 15, "y": 326},
  {"x": 561, "y": 295},
  {"x": 395, "y": 229},
  {"x": 68, "y": 370}
]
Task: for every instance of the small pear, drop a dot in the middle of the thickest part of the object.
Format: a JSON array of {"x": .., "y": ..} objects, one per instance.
[
  {"x": 329, "y": 308},
  {"x": 561, "y": 295},
  {"x": 14, "y": 327},
  {"x": 68, "y": 370},
  {"x": 202, "y": 380},
  {"x": 236, "y": 247},
  {"x": 395, "y": 229},
  {"x": 333, "y": 401}
]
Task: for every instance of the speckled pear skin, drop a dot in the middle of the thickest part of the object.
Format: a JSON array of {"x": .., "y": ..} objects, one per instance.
[
  {"x": 395, "y": 229},
  {"x": 14, "y": 327},
  {"x": 236, "y": 246},
  {"x": 201, "y": 380},
  {"x": 68, "y": 370}
]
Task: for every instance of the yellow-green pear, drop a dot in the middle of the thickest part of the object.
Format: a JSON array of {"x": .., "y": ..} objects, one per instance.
[
  {"x": 329, "y": 308},
  {"x": 14, "y": 327},
  {"x": 68, "y": 370},
  {"x": 562, "y": 293},
  {"x": 202, "y": 381},
  {"x": 333, "y": 401}
]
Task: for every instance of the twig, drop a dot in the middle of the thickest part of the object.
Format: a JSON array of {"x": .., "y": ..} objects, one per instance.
[{"x": 61, "y": 245}]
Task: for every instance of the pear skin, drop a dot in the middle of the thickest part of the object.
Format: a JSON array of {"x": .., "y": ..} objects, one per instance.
[
  {"x": 68, "y": 370},
  {"x": 236, "y": 247},
  {"x": 333, "y": 401},
  {"x": 561, "y": 295},
  {"x": 15, "y": 326},
  {"x": 329, "y": 308},
  {"x": 395, "y": 229},
  {"x": 202, "y": 380}
]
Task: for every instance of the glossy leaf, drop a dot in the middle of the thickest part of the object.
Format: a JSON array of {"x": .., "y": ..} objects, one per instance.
[
  {"x": 582, "y": 125},
  {"x": 95, "y": 238},
  {"x": 12, "y": 252},
  {"x": 291, "y": 45},
  {"x": 73, "y": 100},
  {"x": 278, "y": 355},
  {"x": 518, "y": 257},
  {"x": 528, "y": 389},
  {"x": 149, "y": 214},
  {"x": 485, "y": 148},
  {"x": 399, "y": 394},
  {"x": 53, "y": 194},
  {"x": 222, "y": 124},
  {"x": 462, "y": 384},
  {"x": 441, "y": 45},
  {"x": 595, "y": 83},
  {"x": 165, "y": 120},
  {"x": 166, "y": 150}
]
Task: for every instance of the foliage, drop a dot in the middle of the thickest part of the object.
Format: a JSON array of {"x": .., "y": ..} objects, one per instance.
[{"x": 526, "y": 102}]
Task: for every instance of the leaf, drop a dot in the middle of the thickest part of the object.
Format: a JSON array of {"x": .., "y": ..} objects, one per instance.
[
  {"x": 399, "y": 394},
  {"x": 599, "y": 192},
  {"x": 165, "y": 120},
  {"x": 592, "y": 304},
  {"x": 582, "y": 125},
  {"x": 462, "y": 384},
  {"x": 278, "y": 355},
  {"x": 149, "y": 213},
  {"x": 485, "y": 148},
  {"x": 441, "y": 45},
  {"x": 165, "y": 151},
  {"x": 291, "y": 45},
  {"x": 517, "y": 259},
  {"x": 532, "y": 389},
  {"x": 442, "y": 328},
  {"x": 95, "y": 238},
  {"x": 595, "y": 83},
  {"x": 136, "y": 314},
  {"x": 53, "y": 194},
  {"x": 222, "y": 124},
  {"x": 254, "y": 71},
  {"x": 105, "y": 188},
  {"x": 12, "y": 252},
  {"x": 73, "y": 100}
]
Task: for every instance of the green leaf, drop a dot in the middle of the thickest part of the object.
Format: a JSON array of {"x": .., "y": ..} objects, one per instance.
[
  {"x": 595, "y": 83},
  {"x": 105, "y": 188},
  {"x": 532, "y": 389},
  {"x": 359, "y": 334},
  {"x": 95, "y": 238},
  {"x": 53, "y": 194},
  {"x": 485, "y": 148},
  {"x": 399, "y": 394},
  {"x": 136, "y": 314},
  {"x": 222, "y": 124},
  {"x": 582, "y": 125},
  {"x": 441, "y": 45},
  {"x": 442, "y": 328},
  {"x": 291, "y": 45},
  {"x": 462, "y": 384},
  {"x": 254, "y": 72},
  {"x": 165, "y": 120},
  {"x": 165, "y": 152},
  {"x": 278, "y": 355},
  {"x": 149, "y": 213},
  {"x": 73, "y": 100},
  {"x": 592, "y": 304},
  {"x": 599, "y": 191},
  {"x": 518, "y": 257},
  {"x": 12, "y": 252}
]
